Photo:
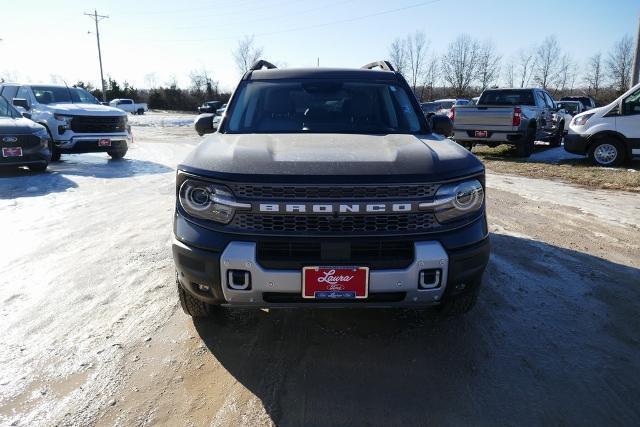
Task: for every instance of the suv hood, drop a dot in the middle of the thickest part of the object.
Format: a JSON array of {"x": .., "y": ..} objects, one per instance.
[
  {"x": 9, "y": 126},
  {"x": 387, "y": 157},
  {"x": 85, "y": 109}
]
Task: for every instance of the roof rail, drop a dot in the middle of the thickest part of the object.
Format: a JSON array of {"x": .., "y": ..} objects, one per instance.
[
  {"x": 385, "y": 65},
  {"x": 260, "y": 64}
]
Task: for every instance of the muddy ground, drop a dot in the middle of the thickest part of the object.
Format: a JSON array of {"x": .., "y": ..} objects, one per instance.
[{"x": 91, "y": 332}]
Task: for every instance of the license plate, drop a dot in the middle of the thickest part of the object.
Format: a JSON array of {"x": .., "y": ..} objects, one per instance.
[
  {"x": 482, "y": 134},
  {"x": 11, "y": 151},
  {"x": 104, "y": 143},
  {"x": 337, "y": 283}
]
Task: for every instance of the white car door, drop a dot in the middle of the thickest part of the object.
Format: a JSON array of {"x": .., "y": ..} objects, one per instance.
[{"x": 628, "y": 122}]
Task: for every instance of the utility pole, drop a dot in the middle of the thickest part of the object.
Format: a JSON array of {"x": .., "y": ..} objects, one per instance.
[
  {"x": 635, "y": 74},
  {"x": 97, "y": 18}
]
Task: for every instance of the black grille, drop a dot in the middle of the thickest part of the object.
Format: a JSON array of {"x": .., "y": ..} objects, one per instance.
[
  {"x": 318, "y": 224},
  {"x": 376, "y": 254},
  {"x": 353, "y": 192},
  {"x": 91, "y": 124},
  {"x": 375, "y": 297}
]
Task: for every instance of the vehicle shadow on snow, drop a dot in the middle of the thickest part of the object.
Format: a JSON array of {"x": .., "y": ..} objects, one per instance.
[
  {"x": 548, "y": 319},
  {"x": 20, "y": 182}
]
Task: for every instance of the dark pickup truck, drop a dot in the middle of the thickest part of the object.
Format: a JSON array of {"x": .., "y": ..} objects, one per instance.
[
  {"x": 517, "y": 117},
  {"x": 327, "y": 187}
]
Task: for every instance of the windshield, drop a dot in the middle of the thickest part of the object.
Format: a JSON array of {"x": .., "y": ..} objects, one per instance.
[
  {"x": 569, "y": 107},
  {"x": 429, "y": 107},
  {"x": 506, "y": 97},
  {"x": 326, "y": 106},
  {"x": 7, "y": 110},
  {"x": 62, "y": 95}
]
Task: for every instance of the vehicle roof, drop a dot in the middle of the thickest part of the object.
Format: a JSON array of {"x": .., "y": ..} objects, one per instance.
[{"x": 320, "y": 73}]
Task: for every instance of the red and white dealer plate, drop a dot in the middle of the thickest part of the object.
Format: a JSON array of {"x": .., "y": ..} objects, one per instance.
[
  {"x": 104, "y": 142},
  {"x": 337, "y": 283}
]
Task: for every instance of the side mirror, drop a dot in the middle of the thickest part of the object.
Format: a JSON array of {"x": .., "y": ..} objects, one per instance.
[
  {"x": 26, "y": 115},
  {"x": 442, "y": 125},
  {"x": 204, "y": 124},
  {"x": 21, "y": 102}
]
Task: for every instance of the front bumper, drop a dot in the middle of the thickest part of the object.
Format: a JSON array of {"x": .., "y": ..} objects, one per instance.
[
  {"x": 283, "y": 288},
  {"x": 576, "y": 143},
  {"x": 89, "y": 143},
  {"x": 30, "y": 156}
]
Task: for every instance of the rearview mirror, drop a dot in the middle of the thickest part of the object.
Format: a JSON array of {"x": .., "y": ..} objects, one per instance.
[
  {"x": 21, "y": 102},
  {"x": 442, "y": 125},
  {"x": 204, "y": 124}
]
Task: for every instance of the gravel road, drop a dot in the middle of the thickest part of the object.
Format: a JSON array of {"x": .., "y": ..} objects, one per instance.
[{"x": 91, "y": 333}]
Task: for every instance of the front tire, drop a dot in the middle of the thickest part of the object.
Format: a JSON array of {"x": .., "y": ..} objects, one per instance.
[
  {"x": 557, "y": 139},
  {"x": 607, "y": 152},
  {"x": 191, "y": 305},
  {"x": 117, "y": 154},
  {"x": 458, "y": 305},
  {"x": 55, "y": 151},
  {"x": 38, "y": 168}
]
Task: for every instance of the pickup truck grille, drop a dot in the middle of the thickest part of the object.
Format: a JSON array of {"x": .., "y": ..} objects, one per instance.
[
  {"x": 318, "y": 224},
  {"x": 331, "y": 192},
  {"x": 93, "y": 124}
]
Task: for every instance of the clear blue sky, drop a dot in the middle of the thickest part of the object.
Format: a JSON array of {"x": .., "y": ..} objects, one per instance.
[{"x": 44, "y": 38}]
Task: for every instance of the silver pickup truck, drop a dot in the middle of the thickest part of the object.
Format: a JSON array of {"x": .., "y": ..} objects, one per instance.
[{"x": 517, "y": 117}]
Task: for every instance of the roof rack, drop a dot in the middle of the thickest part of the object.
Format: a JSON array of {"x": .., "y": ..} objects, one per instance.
[
  {"x": 385, "y": 65},
  {"x": 260, "y": 64}
]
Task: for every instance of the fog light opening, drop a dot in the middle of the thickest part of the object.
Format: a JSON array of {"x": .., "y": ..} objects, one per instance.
[
  {"x": 430, "y": 279},
  {"x": 239, "y": 280}
]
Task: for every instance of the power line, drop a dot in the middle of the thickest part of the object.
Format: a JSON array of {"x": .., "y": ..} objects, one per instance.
[
  {"x": 97, "y": 18},
  {"x": 309, "y": 27}
]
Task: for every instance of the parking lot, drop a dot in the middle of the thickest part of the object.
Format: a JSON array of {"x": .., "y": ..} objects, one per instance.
[{"x": 91, "y": 331}]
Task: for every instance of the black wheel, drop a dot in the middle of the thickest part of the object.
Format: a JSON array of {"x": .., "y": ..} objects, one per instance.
[
  {"x": 460, "y": 304},
  {"x": 607, "y": 151},
  {"x": 117, "y": 154},
  {"x": 191, "y": 305},
  {"x": 38, "y": 168},
  {"x": 525, "y": 149},
  {"x": 140, "y": 112},
  {"x": 55, "y": 152},
  {"x": 557, "y": 138}
]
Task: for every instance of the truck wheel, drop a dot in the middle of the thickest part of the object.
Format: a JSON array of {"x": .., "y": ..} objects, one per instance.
[
  {"x": 191, "y": 305},
  {"x": 525, "y": 149},
  {"x": 38, "y": 168},
  {"x": 607, "y": 152},
  {"x": 460, "y": 304},
  {"x": 117, "y": 154},
  {"x": 55, "y": 152},
  {"x": 557, "y": 138},
  {"x": 140, "y": 112}
]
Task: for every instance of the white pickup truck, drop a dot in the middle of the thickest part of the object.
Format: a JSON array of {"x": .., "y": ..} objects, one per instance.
[
  {"x": 129, "y": 106},
  {"x": 74, "y": 119}
]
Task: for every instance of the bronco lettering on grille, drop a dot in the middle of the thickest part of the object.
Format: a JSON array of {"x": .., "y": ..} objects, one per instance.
[{"x": 333, "y": 208}]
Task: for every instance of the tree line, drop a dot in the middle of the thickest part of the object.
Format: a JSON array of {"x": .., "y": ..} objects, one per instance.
[{"x": 468, "y": 66}]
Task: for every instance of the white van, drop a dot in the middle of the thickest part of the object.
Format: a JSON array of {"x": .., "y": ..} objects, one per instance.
[{"x": 609, "y": 135}]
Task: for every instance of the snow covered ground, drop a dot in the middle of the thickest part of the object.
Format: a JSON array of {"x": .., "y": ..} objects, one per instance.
[{"x": 162, "y": 119}]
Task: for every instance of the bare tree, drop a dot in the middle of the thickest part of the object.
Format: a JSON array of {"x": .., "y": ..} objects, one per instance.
[
  {"x": 460, "y": 64},
  {"x": 151, "y": 80},
  {"x": 547, "y": 62},
  {"x": 566, "y": 73},
  {"x": 526, "y": 65},
  {"x": 430, "y": 78},
  {"x": 509, "y": 74},
  {"x": 620, "y": 62},
  {"x": 398, "y": 55},
  {"x": 202, "y": 83},
  {"x": 594, "y": 75},
  {"x": 488, "y": 65},
  {"x": 417, "y": 47},
  {"x": 246, "y": 53}
]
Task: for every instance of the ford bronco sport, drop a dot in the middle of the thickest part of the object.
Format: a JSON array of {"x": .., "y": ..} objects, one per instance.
[{"x": 327, "y": 187}]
